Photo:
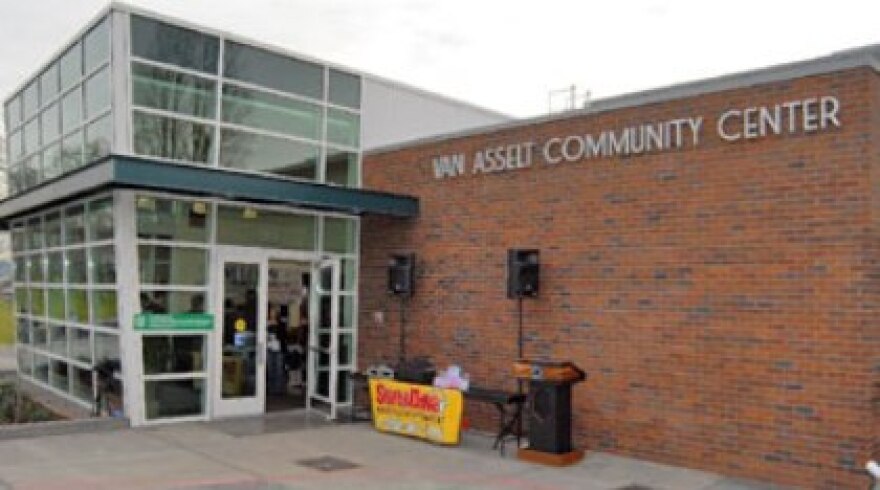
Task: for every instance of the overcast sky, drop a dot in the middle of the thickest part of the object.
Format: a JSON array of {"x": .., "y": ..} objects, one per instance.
[{"x": 502, "y": 54}]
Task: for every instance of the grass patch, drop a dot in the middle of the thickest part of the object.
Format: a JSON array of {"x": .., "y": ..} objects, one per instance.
[{"x": 7, "y": 325}]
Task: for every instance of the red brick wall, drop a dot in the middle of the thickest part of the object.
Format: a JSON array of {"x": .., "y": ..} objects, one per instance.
[{"x": 722, "y": 299}]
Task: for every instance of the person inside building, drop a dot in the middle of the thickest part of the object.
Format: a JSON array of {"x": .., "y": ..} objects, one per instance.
[{"x": 276, "y": 372}]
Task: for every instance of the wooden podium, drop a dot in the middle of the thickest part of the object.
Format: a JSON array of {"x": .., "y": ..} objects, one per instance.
[{"x": 549, "y": 413}]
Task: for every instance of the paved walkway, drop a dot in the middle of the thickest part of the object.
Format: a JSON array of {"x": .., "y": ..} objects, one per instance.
[{"x": 266, "y": 454}]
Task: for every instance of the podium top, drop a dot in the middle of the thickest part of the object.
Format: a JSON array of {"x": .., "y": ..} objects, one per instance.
[{"x": 555, "y": 371}]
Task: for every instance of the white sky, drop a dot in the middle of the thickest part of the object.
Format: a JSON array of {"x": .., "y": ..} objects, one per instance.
[{"x": 501, "y": 54}]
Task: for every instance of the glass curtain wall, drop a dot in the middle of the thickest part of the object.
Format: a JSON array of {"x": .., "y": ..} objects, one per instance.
[
  {"x": 61, "y": 119},
  {"x": 204, "y": 100},
  {"x": 65, "y": 296},
  {"x": 175, "y": 239}
]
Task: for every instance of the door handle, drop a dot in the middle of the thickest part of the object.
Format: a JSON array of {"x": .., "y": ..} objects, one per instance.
[{"x": 261, "y": 353}]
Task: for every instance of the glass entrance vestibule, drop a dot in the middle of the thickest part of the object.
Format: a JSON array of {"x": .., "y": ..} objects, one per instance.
[{"x": 278, "y": 283}]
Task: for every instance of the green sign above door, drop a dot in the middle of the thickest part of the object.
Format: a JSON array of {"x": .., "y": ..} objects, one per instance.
[{"x": 176, "y": 321}]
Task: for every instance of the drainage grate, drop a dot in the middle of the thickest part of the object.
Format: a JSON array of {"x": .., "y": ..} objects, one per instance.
[
  {"x": 327, "y": 463},
  {"x": 635, "y": 486}
]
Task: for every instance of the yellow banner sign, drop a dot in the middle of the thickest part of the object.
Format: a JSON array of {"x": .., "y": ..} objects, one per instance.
[{"x": 416, "y": 410}]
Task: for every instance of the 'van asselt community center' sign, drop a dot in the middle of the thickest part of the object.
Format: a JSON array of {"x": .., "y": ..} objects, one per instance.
[{"x": 808, "y": 115}]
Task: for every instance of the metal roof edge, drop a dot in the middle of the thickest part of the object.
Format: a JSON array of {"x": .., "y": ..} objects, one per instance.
[
  {"x": 257, "y": 187},
  {"x": 866, "y": 56}
]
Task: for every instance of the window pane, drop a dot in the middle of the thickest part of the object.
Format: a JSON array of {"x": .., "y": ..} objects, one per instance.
[
  {"x": 53, "y": 229},
  {"x": 71, "y": 66},
  {"x": 272, "y": 70},
  {"x": 99, "y": 134},
  {"x": 33, "y": 174},
  {"x": 22, "y": 300},
  {"x": 56, "y": 304},
  {"x": 74, "y": 225},
  {"x": 56, "y": 267},
  {"x": 173, "y": 302},
  {"x": 346, "y": 312},
  {"x": 172, "y": 91},
  {"x": 59, "y": 375},
  {"x": 97, "y": 46},
  {"x": 106, "y": 347},
  {"x": 172, "y": 138},
  {"x": 19, "y": 238},
  {"x": 72, "y": 151},
  {"x": 343, "y": 128},
  {"x": 16, "y": 179},
  {"x": 101, "y": 220},
  {"x": 267, "y": 154},
  {"x": 104, "y": 308},
  {"x": 342, "y": 167},
  {"x": 80, "y": 345},
  {"x": 16, "y": 145},
  {"x": 36, "y": 268},
  {"x": 78, "y": 306},
  {"x": 71, "y": 110},
  {"x": 13, "y": 112},
  {"x": 76, "y": 266},
  {"x": 31, "y": 99},
  {"x": 23, "y": 331},
  {"x": 349, "y": 271},
  {"x": 262, "y": 228},
  {"x": 165, "y": 43},
  {"x": 81, "y": 384},
  {"x": 25, "y": 362},
  {"x": 173, "y": 354},
  {"x": 32, "y": 136},
  {"x": 58, "y": 340},
  {"x": 345, "y": 89},
  {"x": 34, "y": 233},
  {"x": 172, "y": 265},
  {"x": 177, "y": 398},
  {"x": 38, "y": 301},
  {"x": 40, "y": 335},
  {"x": 49, "y": 83},
  {"x": 41, "y": 368},
  {"x": 339, "y": 235},
  {"x": 20, "y": 271},
  {"x": 52, "y": 163},
  {"x": 50, "y": 123},
  {"x": 166, "y": 219},
  {"x": 271, "y": 112},
  {"x": 98, "y": 93},
  {"x": 103, "y": 265}
]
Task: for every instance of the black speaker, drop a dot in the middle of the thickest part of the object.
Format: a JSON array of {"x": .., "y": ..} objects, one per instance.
[
  {"x": 523, "y": 270},
  {"x": 401, "y": 274},
  {"x": 549, "y": 417}
]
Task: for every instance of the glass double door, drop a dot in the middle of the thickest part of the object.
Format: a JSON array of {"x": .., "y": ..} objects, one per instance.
[{"x": 277, "y": 333}]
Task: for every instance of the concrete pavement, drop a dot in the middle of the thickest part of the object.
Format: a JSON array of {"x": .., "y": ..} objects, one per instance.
[{"x": 267, "y": 454}]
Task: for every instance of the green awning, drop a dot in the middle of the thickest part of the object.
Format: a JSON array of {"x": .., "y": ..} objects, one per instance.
[{"x": 129, "y": 172}]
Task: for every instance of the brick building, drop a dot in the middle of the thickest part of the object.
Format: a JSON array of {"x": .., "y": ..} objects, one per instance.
[{"x": 709, "y": 255}]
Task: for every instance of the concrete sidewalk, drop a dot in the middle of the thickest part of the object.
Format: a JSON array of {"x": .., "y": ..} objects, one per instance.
[{"x": 267, "y": 454}]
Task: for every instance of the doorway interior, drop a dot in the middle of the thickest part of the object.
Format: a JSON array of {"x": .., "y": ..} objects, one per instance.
[{"x": 280, "y": 341}]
